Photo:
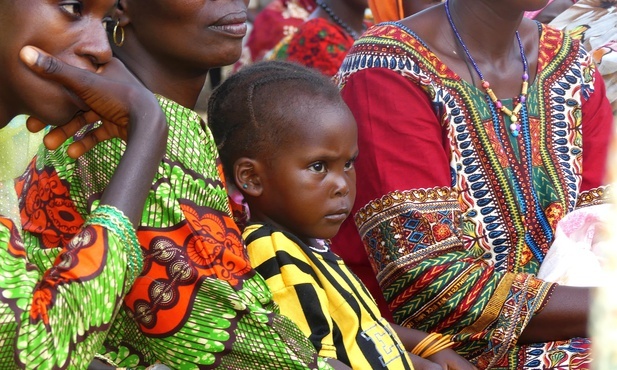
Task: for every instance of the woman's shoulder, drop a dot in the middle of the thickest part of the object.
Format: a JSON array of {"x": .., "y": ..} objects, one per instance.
[{"x": 395, "y": 47}]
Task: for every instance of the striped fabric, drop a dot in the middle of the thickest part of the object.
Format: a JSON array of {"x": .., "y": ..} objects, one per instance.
[{"x": 327, "y": 301}]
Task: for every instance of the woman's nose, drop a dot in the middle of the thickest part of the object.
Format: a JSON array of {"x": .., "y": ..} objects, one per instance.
[{"x": 94, "y": 45}]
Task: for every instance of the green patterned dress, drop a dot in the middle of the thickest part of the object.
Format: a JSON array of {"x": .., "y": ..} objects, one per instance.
[
  {"x": 59, "y": 317},
  {"x": 197, "y": 303}
]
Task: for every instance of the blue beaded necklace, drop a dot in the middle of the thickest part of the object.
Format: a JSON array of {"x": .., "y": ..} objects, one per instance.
[{"x": 515, "y": 126}]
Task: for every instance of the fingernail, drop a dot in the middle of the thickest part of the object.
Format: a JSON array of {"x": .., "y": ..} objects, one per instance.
[{"x": 29, "y": 55}]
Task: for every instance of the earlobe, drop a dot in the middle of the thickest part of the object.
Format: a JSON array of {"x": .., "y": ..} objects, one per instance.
[
  {"x": 122, "y": 15},
  {"x": 246, "y": 176}
]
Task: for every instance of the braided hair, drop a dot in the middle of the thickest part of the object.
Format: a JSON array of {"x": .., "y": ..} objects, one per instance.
[{"x": 251, "y": 112}]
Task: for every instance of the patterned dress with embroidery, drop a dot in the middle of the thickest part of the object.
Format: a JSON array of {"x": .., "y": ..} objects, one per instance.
[
  {"x": 197, "y": 303},
  {"x": 456, "y": 213}
]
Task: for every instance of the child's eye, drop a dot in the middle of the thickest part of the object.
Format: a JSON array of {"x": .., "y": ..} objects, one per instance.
[
  {"x": 318, "y": 167},
  {"x": 72, "y": 7},
  {"x": 350, "y": 163}
]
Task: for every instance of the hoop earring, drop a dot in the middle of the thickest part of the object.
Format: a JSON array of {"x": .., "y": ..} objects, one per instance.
[{"x": 114, "y": 35}]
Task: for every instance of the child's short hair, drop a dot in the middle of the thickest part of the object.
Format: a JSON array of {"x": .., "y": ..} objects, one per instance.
[{"x": 248, "y": 114}]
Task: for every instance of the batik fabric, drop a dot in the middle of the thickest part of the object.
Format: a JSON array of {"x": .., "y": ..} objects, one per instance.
[
  {"x": 454, "y": 211},
  {"x": 318, "y": 43},
  {"x": 58, "y": 317},
  {"x": 594, "y": 22}
]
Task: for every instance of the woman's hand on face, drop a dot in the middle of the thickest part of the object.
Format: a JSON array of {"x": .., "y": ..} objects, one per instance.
[{"x": 113, "y": 94}]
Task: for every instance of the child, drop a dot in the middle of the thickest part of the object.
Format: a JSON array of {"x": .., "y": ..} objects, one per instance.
[{"x": 288, "y": 142}]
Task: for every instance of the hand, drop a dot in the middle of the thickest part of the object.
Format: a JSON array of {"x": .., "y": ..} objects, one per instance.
[
  {"x": 113, "y": 94},
  {"x": 449, "y": 359},
  {"x": 420, "y": 363},
  {"x": 128, "y": 111}
]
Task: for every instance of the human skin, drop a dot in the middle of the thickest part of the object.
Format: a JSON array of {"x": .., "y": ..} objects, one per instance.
[
  {"x": 411, "y": 7},
  {"x": 171, "y": 45},
  {"x": 54, "y": 82},
  {"x": 319, "y": 160},
  {"x": 79, "y": 39}
]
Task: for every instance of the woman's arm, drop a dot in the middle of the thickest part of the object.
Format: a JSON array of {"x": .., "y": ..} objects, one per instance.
[{"x": 59, "y": 318}]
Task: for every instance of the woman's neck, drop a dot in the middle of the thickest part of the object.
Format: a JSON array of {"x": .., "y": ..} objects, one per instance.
[
  {"x": 488, "y": 28},
  {"x": 352, "y": 16},
  {"x": 181, "y": 85}
]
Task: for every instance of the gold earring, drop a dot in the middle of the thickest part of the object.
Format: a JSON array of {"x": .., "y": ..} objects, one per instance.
[{"x": 114, "y": 35}]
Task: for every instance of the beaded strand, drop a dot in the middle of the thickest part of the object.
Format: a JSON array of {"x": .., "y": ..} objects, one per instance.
[
  {"x": 338, "y": 20},
  {"x": 515, "y": 126}
]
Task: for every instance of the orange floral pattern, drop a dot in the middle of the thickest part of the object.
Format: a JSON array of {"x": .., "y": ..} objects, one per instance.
[{"x": 47, "y": 209}]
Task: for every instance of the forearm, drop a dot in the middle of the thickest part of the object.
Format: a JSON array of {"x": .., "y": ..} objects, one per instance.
[
  {"x": 565, "y": 316},
  {"x": 132, "y": 180}
]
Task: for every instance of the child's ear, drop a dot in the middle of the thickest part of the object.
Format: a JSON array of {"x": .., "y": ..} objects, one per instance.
[{"x": 246, "y": 176}]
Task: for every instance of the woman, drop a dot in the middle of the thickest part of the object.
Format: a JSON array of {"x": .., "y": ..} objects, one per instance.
[
  {"x": 323, "y": 40},
  {"x": 198, "y": 302},
  {"x": 464, "y": 180},
  {"x": 53, "y": 317}
]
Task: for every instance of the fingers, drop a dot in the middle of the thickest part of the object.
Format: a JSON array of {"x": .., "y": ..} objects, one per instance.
[
  {"x": 78, "y": 148},
  {"x": 54, "y": 69},
  {"x": 60, "y": 134},
  {"x": 34, "y": 124},
  {"x": 108, "y": 96}
]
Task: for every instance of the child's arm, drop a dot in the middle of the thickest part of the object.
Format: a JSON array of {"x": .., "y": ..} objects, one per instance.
[{"x": 445, "y": 358}]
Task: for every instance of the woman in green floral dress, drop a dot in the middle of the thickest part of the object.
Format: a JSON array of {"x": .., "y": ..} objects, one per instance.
[{"x": 197, "y": 303}]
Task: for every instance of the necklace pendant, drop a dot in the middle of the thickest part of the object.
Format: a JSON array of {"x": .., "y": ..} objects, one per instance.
[
  {"x": 513, "y": 118},
  {"x": 515, "y": 128}
]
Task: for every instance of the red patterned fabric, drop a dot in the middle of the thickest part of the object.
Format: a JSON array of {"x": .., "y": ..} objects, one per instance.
[
  {"x": 318, "y": 44},
  {"x": 277, "y": 20},
  {"x": 423, "y": 129}
]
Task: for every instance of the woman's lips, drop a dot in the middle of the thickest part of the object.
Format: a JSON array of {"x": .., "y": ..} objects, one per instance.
[
  {"x": 232, "y": 24},
  {"x": 238, "y": 29}
]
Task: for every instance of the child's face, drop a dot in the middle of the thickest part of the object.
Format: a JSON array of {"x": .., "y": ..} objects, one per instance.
[{"x": 310, "y": 187}]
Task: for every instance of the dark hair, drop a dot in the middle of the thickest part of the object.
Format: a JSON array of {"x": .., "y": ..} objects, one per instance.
[{"x": 250, "y": 113}]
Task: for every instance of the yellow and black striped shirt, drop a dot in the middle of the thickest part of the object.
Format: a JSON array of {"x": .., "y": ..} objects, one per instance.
[{"x": 317, "y": 291}]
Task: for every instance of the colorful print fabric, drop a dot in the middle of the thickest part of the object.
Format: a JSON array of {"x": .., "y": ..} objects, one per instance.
[
  {"x": 318, "y": 44},
  {"x": 455, "y": 240},
  {"x": 58, "y": 317},
  {"x": 594, "y": 22},
  {"x": 197, "y": 303}
]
